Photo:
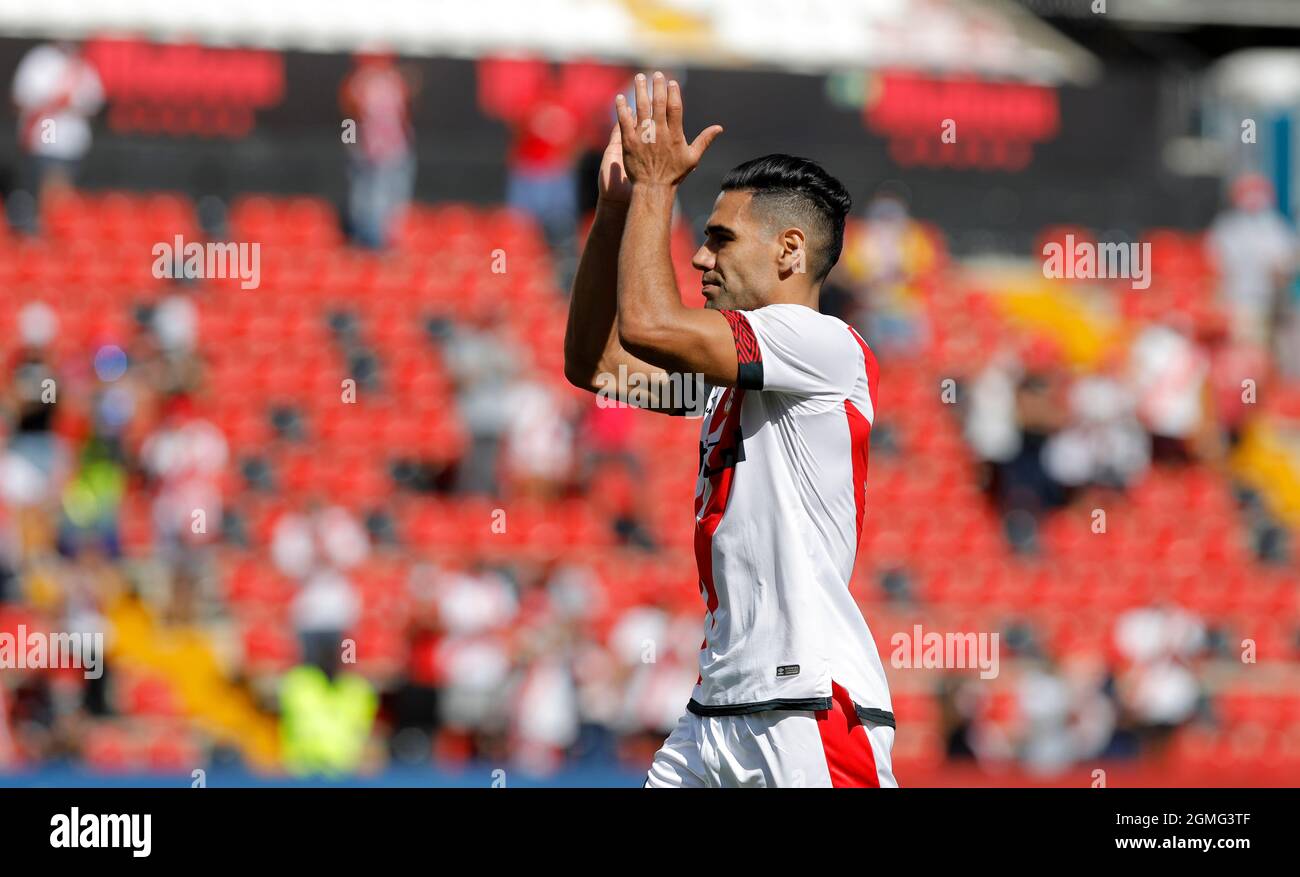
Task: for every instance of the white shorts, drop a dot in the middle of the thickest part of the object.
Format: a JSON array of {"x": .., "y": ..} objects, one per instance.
[{"x": 776, "y": 749}]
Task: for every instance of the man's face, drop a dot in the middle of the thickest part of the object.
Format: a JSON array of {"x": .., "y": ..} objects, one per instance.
[{"x": 739, "y": 257}]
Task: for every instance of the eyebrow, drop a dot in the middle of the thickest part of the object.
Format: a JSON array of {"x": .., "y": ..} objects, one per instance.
[{"x": 719, "y": 231}]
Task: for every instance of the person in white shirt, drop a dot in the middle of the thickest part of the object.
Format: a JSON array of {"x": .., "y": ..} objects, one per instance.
[
  {"x": 56, "y": 91},
  {"x": 1255, "y": 251},
  {"x": 791, "y": 690}
]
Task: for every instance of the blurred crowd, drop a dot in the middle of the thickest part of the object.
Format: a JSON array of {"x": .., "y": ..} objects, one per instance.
[
  {"x": 515, "y": 658},
  {"x": 1178, "y": 386},
  {"x": 1087, "y": 708}
]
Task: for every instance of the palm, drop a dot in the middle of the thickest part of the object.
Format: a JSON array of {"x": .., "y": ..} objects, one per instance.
[
  {"x": 655, "y": 148},
  {"x": 614, "y": 184}
]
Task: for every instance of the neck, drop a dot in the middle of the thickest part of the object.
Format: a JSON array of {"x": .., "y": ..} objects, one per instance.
[{"x": 807, "y": 295}]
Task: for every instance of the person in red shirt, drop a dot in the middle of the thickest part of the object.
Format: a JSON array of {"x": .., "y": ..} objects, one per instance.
[
  {"x": 541, "y": 163},
  {"x": 376, "y": 97}
]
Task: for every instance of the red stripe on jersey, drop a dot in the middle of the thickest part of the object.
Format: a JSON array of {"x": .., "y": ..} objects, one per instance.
[
  {"x": 869, "y": 362},
  {"x": 717, "y": 470},
  {"x": 849, "y": 757},
  {"x": 860, "y": 437},
  {"x": 860, "y": 448}
]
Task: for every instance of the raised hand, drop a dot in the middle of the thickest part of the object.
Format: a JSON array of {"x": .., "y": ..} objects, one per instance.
[
  {"x": 613, "y": 184},
  {"x": 654, "y": 147}
]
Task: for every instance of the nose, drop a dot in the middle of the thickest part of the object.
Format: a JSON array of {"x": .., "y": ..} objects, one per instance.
[{"x": 703, "y": 259}]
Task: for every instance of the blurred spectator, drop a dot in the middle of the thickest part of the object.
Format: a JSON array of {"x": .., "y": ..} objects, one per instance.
[
  {"x": 1255, "y": 251},
  {"x": 1169, "y": 374},
  {"x": 36, "y": 460},
  {"x": 325, "y": 608},
  {"x": 1066, "y": 715},
  {"x": 92, "y": 500},
  {"x": 1044, "y": 707},
  {"x": 1094, "y": 713},
  {"x": 474, "y": 600},
  {"x": 959, "y": 703},
  {"x": 883, "y": 258},
  {"x": 482, "y": 364},
  {"x": 376, "y": 97},
  {"x": 478, "y": 671},
  {"x": 8, "y": 749},
  {"x": 545, "y": 714},
  {"x": 538, "y": 443},
  {"x": 476, "y": 608},
  {"x": 990, "y": 424},
  {"x": 1015, "y": 412},
  {"x": 317, "y": 549},
  {"x": 174, "y": 362},
  {"x": 1158, "y": 686},
  {"x": 1103, "y": 443},
  {"x": 657, "y": 655},
  {"x": 540, "y": 166},
  {"x": 186, "y": 456},
  {"x": 56, "y": 91},
  {"x": 1231, "y": 363},
  {"x": 325, "y": 720}
]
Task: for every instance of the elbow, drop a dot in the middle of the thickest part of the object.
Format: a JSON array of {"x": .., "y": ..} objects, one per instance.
[
  {"x": 582, "y": 372},
  {"x": 577, "y": 373},
  {"x": 639, "y": 336}
]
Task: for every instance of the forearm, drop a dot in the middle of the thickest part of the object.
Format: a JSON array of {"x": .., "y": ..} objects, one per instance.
[
  {"x": 648, "y": 299},
  {"x": 593, "y": 305}
]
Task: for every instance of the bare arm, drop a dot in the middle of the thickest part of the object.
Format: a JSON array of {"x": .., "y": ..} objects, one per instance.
[
  {"x": 652, "y": 321},
  {"x": 590, "y": 344},
  {"x": 594, "y": 358}
]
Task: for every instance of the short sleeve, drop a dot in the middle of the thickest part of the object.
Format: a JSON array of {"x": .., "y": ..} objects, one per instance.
[{"x": 794, "y": 349}]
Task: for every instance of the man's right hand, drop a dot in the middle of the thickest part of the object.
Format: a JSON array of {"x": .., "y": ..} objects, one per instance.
[{"x": 613, "y": 185}]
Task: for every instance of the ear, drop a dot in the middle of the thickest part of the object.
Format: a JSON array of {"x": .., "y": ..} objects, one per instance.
[{"x": 793, "y": 257}]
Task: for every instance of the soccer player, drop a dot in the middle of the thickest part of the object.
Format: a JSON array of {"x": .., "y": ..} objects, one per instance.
[{"x": 791, "y": 690}]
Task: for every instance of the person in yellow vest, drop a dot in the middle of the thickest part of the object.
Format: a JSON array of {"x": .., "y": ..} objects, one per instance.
[{"x": 325, "y": 720}]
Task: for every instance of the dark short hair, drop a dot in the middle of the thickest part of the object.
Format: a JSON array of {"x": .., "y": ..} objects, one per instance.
[{"x": 798, "y": 189}]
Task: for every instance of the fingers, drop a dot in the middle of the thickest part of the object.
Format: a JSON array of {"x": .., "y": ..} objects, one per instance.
[
  {"x": 660, "y": 101},
  {"x": 662, "y": 108},
  {"x": 706, "y": 137},
  {"x": 626, "y": 120},
  {"x": 674, "y": 110},
  {"x": 615, "y": 137},
  {"x": 642, "y": 100}
]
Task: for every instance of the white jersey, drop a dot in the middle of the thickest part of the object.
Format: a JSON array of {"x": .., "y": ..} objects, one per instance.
[{"x": 779, "y": 506}]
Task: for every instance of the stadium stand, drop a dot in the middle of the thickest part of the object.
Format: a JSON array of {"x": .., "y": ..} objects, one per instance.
[{"x": 489, "y": 621}]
